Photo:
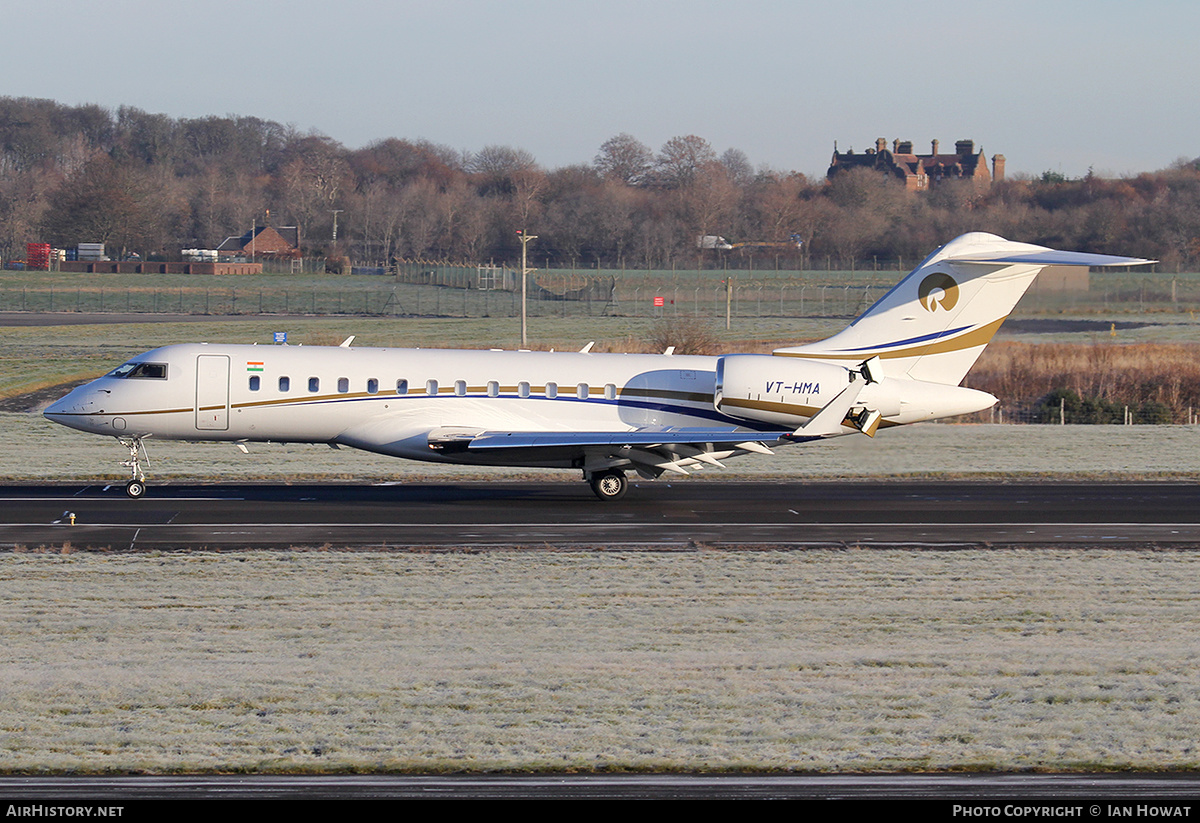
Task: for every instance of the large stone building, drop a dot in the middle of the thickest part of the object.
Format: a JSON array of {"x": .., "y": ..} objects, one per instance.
[{"x": 921, "y": 171}]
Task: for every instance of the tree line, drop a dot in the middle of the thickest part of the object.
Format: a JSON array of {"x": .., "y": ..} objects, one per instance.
[{"x": 152, "y": 184}]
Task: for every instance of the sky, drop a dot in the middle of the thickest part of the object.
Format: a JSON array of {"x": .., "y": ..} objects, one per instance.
[{"x": 1054, "y": 85}]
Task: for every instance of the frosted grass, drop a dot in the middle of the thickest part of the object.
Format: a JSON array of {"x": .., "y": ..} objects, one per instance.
[
  {"x": 829, "y": 660},
  {"x": 33, "y": 448}
]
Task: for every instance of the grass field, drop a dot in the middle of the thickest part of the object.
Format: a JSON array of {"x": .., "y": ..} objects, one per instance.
[
  {"x": 35, "y": 356},
  {"x": 32, "y": 357},
  {"x": 32, "y": 448},
  {"x": 453, "y": 292},
  {"x": 770, "y": 308},
  {"x": 823, "y": 660},
  {"x": 818, "y": 660}
]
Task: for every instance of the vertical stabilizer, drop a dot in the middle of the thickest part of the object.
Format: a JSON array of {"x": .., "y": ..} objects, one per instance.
[{"x": 934, "y": 323}]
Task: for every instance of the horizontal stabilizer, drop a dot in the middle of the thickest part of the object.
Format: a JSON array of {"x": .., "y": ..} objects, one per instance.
[{"x": 1051, "y": 257}]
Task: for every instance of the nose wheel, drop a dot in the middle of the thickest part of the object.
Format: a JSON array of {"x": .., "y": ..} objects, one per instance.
[
  {"x": 609, "y": 485},
  {"x": 136, "y": 487}
]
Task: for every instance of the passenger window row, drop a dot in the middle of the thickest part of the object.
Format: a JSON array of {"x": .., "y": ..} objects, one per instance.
[{"x": 550, "y": 390}]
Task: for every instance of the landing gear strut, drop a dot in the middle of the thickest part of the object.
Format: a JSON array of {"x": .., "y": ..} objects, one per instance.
[
  {"x": 136, "y": 487},
  {"x": 609, "y": 485}
]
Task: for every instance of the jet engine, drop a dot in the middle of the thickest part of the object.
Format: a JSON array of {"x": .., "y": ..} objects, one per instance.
[{"x": 789, "y": 391}]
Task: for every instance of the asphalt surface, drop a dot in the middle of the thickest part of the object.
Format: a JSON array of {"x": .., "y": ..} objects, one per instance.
[
  {"x": 652, "y": 516},
  {"x": 1057, "y": 795}
]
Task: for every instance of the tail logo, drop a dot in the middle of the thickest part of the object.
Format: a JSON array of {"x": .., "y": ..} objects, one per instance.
[{"x": 938, "y": 290}]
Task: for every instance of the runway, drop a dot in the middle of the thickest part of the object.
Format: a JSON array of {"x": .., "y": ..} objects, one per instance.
[
  {"x": 1052, "y": 791},
  {"x": 653, "y": 516}
]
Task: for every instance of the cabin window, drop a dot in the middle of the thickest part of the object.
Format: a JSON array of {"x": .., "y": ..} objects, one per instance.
[
  {"x": 314, "y": 384},
  {"x": 285, "y": 384},
  {"x": 401, "y": 387},
  {"x": 255, "y": 382},
  {"x": 493, "y": 389},
  {"x": 343, "y": 385},
  {"x": 552, "y": 390},
  {"x": 372, "y": 386},
  {"x": 523, "y": 389},
  {"x": 581, "y": 391},
  {"x": 460, "y": 388},
  {"x": 610, "y": 391},
  {"x": 431, "y": 388}
]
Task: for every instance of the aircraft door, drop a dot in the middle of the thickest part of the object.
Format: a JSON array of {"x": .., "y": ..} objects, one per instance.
[{"x": 212, "y": 392}]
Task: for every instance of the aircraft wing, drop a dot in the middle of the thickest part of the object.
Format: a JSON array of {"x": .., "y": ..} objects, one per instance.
[
  {"x": 639, "y": 437},
  {"x": 649, "y": 451}
]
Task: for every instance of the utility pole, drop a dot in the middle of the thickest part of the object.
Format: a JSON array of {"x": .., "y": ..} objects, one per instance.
[
  {"x": 728, "y": 296},
  {"x": 524, "y": 238}
]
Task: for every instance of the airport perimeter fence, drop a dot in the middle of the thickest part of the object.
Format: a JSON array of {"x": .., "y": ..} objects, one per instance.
[
  {"x": 1150, "y": 413},
  {"x": 443, "y": 290},
  {"x": 544, "y": 298}
]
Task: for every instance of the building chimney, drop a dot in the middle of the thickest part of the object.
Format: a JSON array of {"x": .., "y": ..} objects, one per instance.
[
  {"x": 880, "y": 145},
  {"x": 997, "y": 168},
  {"x": 963, "y": 148},
  {"x": 904, "y": 147},
  {"x": 935, "y": 148}
]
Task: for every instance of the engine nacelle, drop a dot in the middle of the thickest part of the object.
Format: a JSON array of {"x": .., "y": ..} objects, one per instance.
[
  {"x": 789, "y": 391},
  {"x": 782, "y": 390}
]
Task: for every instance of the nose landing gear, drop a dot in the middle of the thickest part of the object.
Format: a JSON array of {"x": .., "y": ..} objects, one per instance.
[{"x": 136, "y": 487}]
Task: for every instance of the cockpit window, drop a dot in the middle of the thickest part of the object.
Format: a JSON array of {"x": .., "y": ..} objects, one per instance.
[{"x": 144, "y": 371}]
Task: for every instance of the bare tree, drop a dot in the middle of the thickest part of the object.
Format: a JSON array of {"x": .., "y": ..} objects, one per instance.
[
  {"x": 314, "y": 179},
  {"x": 708, "y": 200},
  {"x": 497, "y": 168},
  {"x": 737, "y": 166},
  {"x": 625, "y": 159},
  {"x": 681, "y": 158}
]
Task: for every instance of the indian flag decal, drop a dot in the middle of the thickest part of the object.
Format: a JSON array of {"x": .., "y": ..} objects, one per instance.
[{"x": 254, "y": 365}]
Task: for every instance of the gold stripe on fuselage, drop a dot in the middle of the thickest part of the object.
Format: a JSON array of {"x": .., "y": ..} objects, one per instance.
[{"x": 507, "y": 393}]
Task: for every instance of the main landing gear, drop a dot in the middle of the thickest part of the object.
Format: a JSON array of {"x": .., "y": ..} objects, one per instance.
[
  {"x": 136, "y": 487},
  {"x": 609, "y": 484}
]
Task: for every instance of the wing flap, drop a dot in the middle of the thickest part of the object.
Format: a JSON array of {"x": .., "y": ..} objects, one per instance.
[{"x": 637, "y": 438}]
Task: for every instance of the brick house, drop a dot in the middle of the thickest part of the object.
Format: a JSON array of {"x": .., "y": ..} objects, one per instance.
[
  {"x": 921, "y": 171},
  {"x": 265, "y": 241}
]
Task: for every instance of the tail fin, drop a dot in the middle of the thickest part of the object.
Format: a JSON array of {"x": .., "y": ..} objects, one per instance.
[{"x": 934, "y": 324}]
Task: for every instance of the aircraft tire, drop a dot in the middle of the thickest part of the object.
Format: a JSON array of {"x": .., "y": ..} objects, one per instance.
[
  {"x": 135, "y": 489},
  {"x": 609, "y": 485}
]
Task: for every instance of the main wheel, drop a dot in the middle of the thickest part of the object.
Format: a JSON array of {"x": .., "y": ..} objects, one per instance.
[
  {"x": 135, "y": 488},
  {"x": 609, "y": 485}
]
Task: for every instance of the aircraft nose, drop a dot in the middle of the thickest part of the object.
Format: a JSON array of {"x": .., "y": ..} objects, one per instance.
[
  {"x": 60, "y": 406},
  {"x": 72, "y": 409}
]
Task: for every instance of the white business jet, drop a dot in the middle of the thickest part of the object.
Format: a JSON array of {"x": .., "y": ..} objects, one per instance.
[{"x": 603, "y": 414}]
